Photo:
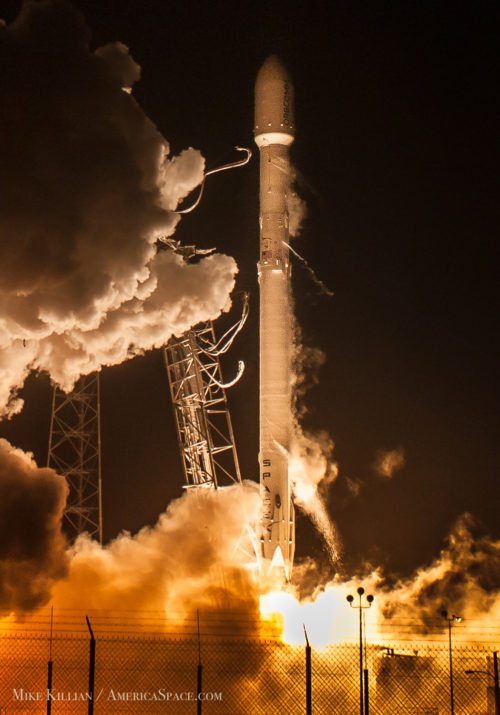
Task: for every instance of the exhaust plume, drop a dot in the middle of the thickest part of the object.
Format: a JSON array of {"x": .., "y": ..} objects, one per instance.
[
  {"x": 32, "y": 548},
  {"x": 87, "y": 184}
]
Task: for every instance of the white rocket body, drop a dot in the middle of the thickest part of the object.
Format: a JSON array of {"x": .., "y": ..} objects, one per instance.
[{"x": 274, "y": 132}]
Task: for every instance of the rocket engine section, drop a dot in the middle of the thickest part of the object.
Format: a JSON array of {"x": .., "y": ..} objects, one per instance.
[{"x": 274, "y": 132}]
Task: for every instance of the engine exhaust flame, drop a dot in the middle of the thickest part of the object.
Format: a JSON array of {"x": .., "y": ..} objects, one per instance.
[{"x": 465, "y": 577}]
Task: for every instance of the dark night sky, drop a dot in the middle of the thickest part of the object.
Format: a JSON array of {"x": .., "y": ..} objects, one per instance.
[{"x": 397, "y": 109}]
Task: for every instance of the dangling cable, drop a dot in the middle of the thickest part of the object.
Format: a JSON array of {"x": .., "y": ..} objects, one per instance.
[
  {"x": 232, "y": 165},
  {"x": 226, "y": 385},
  {"x": 232, "y": 332},
  {"x": 222, "y": 385}
]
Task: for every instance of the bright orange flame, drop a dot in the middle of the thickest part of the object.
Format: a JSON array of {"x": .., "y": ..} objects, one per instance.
[{"x": 327, "y": 618}]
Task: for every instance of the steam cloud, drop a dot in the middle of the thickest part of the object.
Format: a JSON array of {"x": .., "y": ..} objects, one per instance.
[
  {"x": 190, "y": 559},
  {"x": 86, "y": 185},
  {"x": 32, "y": 548},
  {"x": 465, "y": 578}
]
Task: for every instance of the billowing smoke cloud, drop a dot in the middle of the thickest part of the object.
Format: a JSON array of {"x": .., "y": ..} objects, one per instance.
[
  {"x": 389, "y": 462},
  {"x": 464, "y": 579},
  {"x": 32, "y": 548},
  {"x": 198, "y": 555},
  {"x": 190, "y": 559},
  {"x": 86, "y": 185}
]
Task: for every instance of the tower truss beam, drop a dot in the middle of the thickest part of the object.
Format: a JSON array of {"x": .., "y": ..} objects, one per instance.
[
  {"x": 204, "y": 428},
  {"x": 75, "y": 452}
]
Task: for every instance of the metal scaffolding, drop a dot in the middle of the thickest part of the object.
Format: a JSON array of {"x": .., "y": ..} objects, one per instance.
[
  {"x": 75, "y": 452},
  {"x": 204, "y": 429}
]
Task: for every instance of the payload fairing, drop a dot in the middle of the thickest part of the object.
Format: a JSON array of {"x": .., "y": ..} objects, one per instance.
[{"x": 274, "y": 132}]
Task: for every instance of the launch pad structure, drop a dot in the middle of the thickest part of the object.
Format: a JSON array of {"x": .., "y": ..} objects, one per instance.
[
  {"x": 75, "y": 452},
  {"x": 204, "y": 428},
  {"x": 203, "y": 421}
]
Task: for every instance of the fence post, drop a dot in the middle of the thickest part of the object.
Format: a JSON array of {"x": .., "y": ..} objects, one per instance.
[
  {"x": 451, "y": 619},
  {"x": 308, "y": 676},
  {"x": 91, "y": 668},
  {"x": 49, "y": 687},
  {"x": 49, "y": 667},
  {"x": 452, "y": 698},
  {"x": 200, "y": 669},
  {"x": 497, "y": 688},
  {"x": 367, "y": 700}
]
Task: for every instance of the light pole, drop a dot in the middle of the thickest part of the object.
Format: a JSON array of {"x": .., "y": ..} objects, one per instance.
[
  {"x": 363, "y": 701},
  {"x": 451, "y": 619},
  {"x": 495, "y": 680}
]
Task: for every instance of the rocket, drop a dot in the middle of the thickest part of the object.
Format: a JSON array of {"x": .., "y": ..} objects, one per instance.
[{"x": 274, "y": 132}]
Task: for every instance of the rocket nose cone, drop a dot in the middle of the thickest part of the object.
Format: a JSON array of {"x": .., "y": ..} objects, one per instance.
[
  {"x": 274, "y": 101},
  {"x": 273, "y": 70}
]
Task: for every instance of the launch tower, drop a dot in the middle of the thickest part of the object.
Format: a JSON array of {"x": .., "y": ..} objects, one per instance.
[
  {"x": 75, "y": 452},
  {"x": 204, "y": 428}
]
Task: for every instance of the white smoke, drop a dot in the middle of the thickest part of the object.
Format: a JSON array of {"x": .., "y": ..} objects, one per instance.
[
  {"x": 188, "y": 560},
  {"x": 196, "y": 556},
  {"x": 464, "y": 579},
  {"x": 87, "y": 184}
]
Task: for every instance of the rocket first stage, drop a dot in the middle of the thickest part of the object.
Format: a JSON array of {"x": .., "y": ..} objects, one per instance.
[{"x": 274, "y": 132}]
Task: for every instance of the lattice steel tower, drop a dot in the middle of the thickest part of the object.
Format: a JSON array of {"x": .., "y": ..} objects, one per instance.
[
  {"x": 204, "y": 428},
  {"x": 75, "y": 452}
]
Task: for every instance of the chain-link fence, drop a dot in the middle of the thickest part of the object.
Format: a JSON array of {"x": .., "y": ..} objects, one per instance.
[{"x": 158, "y": 674}]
